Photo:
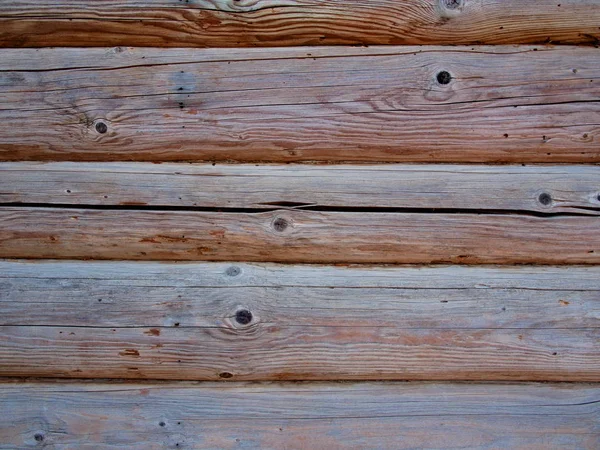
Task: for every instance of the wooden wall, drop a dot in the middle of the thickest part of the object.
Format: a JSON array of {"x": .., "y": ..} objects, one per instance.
[{"x": 300, "y": 224}]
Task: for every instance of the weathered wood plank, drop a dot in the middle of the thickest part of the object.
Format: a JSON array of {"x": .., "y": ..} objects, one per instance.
[
  {"x": 298, "y": 236},
  {"x": 128, "y": 294},
  {"x": 547, "y": 189},
  {"x": 275, "y": 352},
  {"x": 255, "y": 322},
  {"x": 501, "y": 104},
  {"x": 222, "y": 23},
  {"x": 102, "y": 415}
]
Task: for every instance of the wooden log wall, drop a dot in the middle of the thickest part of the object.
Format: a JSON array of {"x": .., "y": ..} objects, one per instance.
[{"x": 300, "y": 224}]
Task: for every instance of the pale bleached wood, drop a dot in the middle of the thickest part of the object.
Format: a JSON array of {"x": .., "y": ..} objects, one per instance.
[
  {"x": 209, "y": 294},
  {"x": 99, "y": 415},
  {"x": 571, "y": 188},
  {"x": 298, "y": 236},
  {"x": 222, "y": 23},
  {"x": 503, "y": 104},
  {"x": 215, "y": 274},
  {"x": 178, "y": 321}
]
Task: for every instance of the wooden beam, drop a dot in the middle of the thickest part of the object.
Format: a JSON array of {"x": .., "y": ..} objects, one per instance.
[
  {"x": 267, "y": 322},
  {"x": 221, "y": 23},
  {"x": 298, "y": 236},
  {"x": 545, "y": 189},
  {"x": 300, "y": 415},
  {"x": 500, "y": 104}
]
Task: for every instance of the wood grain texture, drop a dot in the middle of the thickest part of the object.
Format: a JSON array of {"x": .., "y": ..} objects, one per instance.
[
  {"x": 298, "y": 236},
  {"x": 179, "y": 321},
  {"x": 99, "y": 415},
  {"x": 224, "y": 23},
  {"x": 464, "y": 187},
  {"x": 502, "y": 104}
]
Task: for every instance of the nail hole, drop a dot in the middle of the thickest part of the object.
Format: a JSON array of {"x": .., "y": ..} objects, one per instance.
[
  {"x": 243, "y": 317},
  {"x": 233, "y": 271},
  {"x": 444, "y": 77},
  {"x": 225, "y": 375},
  {"x": 545, "y": 198},
  {"x": 176, "y": 324},
  {"x": 280, "y": 224},
  {"x": 162, "y": 424},
  {"x": 101, "y": 127}
]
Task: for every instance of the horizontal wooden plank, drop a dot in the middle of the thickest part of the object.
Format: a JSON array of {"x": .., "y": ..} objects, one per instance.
[
  {"x": 548, "y": 189},
  {"x": 298, "y": 416},
  {"x": 208, "y": 295},
  {"x": 215, "y": 321},
  {"x": 221, "y": 23},
  {"x": 214, "y": 274},
  {"x": 298, "y": 236},
  {"x": 500, "y": 104}
]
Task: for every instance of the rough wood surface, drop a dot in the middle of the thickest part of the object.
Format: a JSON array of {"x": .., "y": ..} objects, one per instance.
[
  {"x": 501, "y": 104},
  {"x": 298, "y": 236},
  {"x": 466, "y": 187},
  {"x": 99, "y": 415},
  {"x": 224, "y": 23},
  {"x": 182, "y": 321}
]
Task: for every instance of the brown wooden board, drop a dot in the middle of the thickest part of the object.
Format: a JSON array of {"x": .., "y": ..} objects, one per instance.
[
  {"x": 223, "y": 23},
  {"x": 298, "y": 236},
  {"x": 500, "y": 104},
  {"x": 267, "y": 322}
]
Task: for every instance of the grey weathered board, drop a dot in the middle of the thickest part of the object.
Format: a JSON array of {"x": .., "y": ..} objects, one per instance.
[
  {"x": 181, "y": 321},
  {"x": 104, "y": 415},
  {"x": 539, "y": 188},
  {"x": 500, "y": 104}
]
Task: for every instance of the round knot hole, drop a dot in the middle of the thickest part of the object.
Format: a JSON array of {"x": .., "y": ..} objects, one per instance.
[
  {"x": 39, "y": 437},
  {"x": 225, "y": 375},
  {"x": 243, "y": 317},
  {"x": 451, "y": 4},
  {"x": 101, "y": 127},
  {"x": 280, "y": 224},
  {"x": 444, "y": 77},
  {"x": 545, "y": 198}
]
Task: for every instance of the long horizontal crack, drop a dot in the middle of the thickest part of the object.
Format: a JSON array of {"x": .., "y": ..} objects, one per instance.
[{"x": 272, "y": 207}]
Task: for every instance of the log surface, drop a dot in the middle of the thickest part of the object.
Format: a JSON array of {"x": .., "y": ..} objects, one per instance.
[
  {"x": 224, "y": 23},
  {"x": 181, "y": 321},
  {"x": 571, "y": 189},
  {"x": 298, "y": 236},
  {"x": 99, "y": 415},
  {"x": 501, "y": 104}
]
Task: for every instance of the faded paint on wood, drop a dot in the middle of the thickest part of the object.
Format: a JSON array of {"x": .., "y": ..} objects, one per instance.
[
  {"x": 223, "y": 23},
  {"x": 501, "y": 104},
  {"x": 100, "y": 415},
  {"x": 255, "y": 322},
  {"x": 546, "y": 189},
  {"x": 298, "y": 236}
]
